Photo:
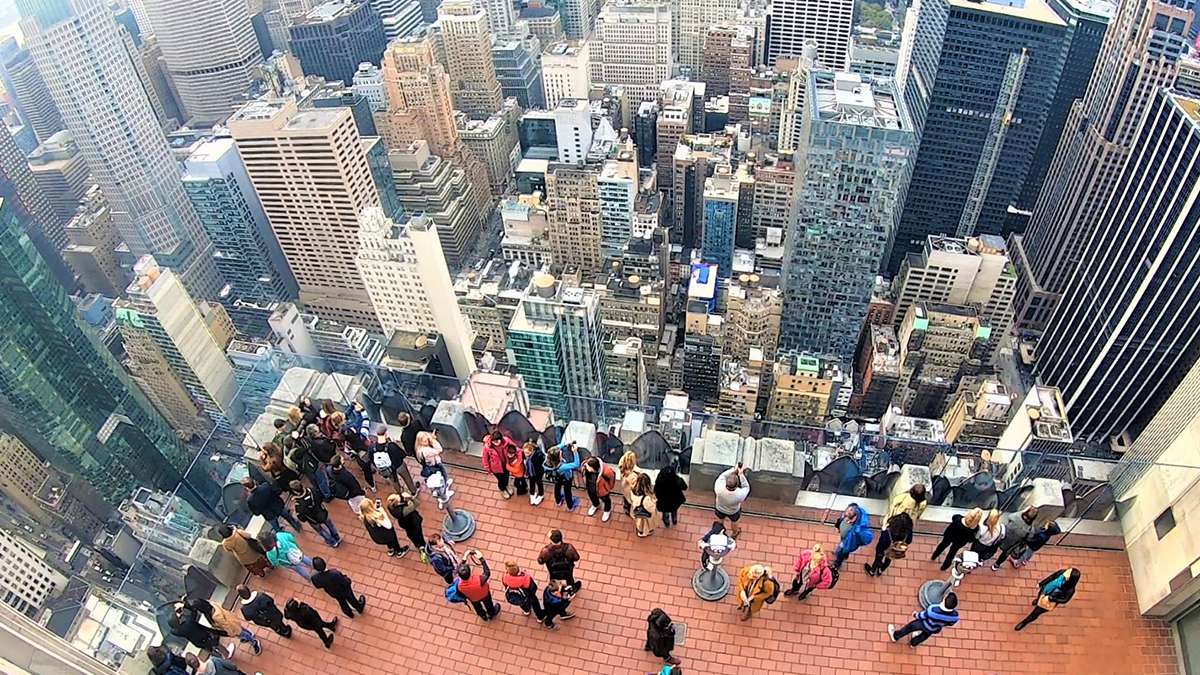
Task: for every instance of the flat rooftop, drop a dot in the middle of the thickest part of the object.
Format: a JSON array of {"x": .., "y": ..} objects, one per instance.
[
  {"x": 315, "y": 118},
  {"x": 849, "y": 98},
  {"x": 1030, "y": 10}
]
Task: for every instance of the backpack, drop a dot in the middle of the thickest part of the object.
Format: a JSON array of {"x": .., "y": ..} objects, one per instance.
[
  {"x": 897, "y": 550},
  {"x": 640, "y": 511},
  {"x": 775, "y": 593},
  {"x": 835, "y": 574},
  {"x": 383, "y": 461},
  {"x": 514, "y": 596},
  {"x": 452, "y": 595},
  {"x": 441, "y": 563}
]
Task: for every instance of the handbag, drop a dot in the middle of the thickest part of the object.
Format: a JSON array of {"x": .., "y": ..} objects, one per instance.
[
  {"x": 641, "y": 511},
  {"x": 383, "y": 461},
  {"x": 514, "y": 596},
  {"x": 897, "y": 550},
  {"x": 1046, "y": 603}
]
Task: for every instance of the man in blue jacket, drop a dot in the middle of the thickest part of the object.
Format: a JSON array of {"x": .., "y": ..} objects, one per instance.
[{"x": 928, "y": 622}]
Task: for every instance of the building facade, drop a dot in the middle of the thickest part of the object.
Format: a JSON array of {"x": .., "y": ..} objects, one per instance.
[
  {"x": 331, "y": 39},
  {"x": 792, "y": 22},
  {"x": 467, "y": 43}
]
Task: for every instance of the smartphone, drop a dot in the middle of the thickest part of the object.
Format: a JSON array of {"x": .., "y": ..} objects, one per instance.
[{"x": 378, "y": 504}]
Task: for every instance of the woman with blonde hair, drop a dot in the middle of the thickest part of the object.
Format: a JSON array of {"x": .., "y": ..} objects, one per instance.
[
  {"x": 429, "y": 453},
  {"x": 645, "y": 506},
  {"x": 988, "y": 536},
  {"x": 628, "y": 473},
  {"x": 959, "y": 533},
  {"x": 812, "y": 572},
  {"x": 756, "y": 586},
  {"x": 380, "y": 527}
]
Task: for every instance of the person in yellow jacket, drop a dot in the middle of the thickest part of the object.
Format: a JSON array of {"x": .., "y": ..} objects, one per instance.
[{"x": 912, "y": 502}]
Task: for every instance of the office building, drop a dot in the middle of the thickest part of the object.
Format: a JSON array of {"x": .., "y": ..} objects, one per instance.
[
  {"x": 331, "y": 39},
  {"x": 402, "y": 267},
  {"x": 720, "y": 207},
  {"x": 296, "y": 160},
  {"x": 544, "y": 22},
  {"x": 695, "y": 157},
  {"x": 939, "y": 345},
  {"x": 578, "y": 18},
  {"x": 502, "y": 18},
  {"x": 91, "y": 250},
  {"x": 1124, "y": 331},
  {"x": 50, "y": 497},
  {"x": 27, "y": 581},
  {"x": 28, "y": 92},
  {"x": 429, "y": 184},
  {"x": 519, "y": 70},
  {"x": 979, "y": 414},
  {"x": 61, "y": 173},
  {"x": 617, "y": 188},
  {"x": 565, "y": 72},
  {"x": 66, "y": 392},
  {"x": 1137, "y": 56},
  {"x": 210, "y": 52},
  {"x": 693, "y": 18},
  {"x": 368, "y": 83},
  {"x": 400, "y": 18},
  {"x": 794, "y": 107},
  {"x": 164, "y": 525},
  {"x": 876, "y": 372},
  {"x": 557, "y": 341},
  {"x": 632, "y": 47},
  {"x": 31, "y": 204},
  {"x": 977, "y": 147},
  {"x": 494, "y": 143},
  {"x": 874, "y": 60},
  {"x": 854, "y": 162},
  {"x": 1187, "y": 80},
  {"x": 78, "y": 47},
  {"x": 625, "y": 372},
  {"x": 672, "y": 120},
  {"x": 573, "y": 199},
  {"x": 246, "y": 251},
  {"x": 151, "y": 68},
  {"x": 792, "y": 22},
  {"x": 804, "y": 388},
  {"x": 157, "y": 306},
  {"x": 467, "y": 44},
  {"x": 774, "y": 189},
  {"x": 420, "y": 103}
]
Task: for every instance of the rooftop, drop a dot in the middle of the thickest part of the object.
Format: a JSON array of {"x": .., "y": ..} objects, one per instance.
[
  {"x": 849, "y": 98},
  {"x": 1030, "y": 10}
]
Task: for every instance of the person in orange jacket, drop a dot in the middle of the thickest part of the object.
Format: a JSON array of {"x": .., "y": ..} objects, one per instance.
[
  {"x": 600, "y": 479},
  {"x": 514, "y": 462}
]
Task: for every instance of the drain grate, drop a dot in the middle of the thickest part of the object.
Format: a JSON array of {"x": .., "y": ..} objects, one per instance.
[{"x": 680, "y": 632}]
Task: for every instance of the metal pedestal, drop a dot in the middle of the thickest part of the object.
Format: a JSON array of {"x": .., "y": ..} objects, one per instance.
[{"x": 711, "y": 584}]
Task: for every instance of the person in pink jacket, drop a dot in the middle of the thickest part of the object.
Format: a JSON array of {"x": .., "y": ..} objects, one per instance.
[
  {"x": 495, "y": 451},
  {"x": 812, "y": 572}
]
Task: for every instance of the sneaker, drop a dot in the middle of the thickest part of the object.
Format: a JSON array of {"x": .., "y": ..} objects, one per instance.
[
  {"x": 532, "y": 500},
  {"x": 257, "y": 647},
  {"x": 892, "y": 632},
  {"x": 329, "y": 643},
  {"x": 574, "y": 504},
  {"x": 393, "y": 554},
  {"x": 403, "y": 552},
  {"x": 591, "y": 511},
  {"x": 567, "y": 617},
  {"x": 362, "y": 602},
  {"x": 337, "y": 543},
  {"x": 539, "y": 499},
  {"x": 790, "y": 592},
  {"x": 606, "y": 516},
  {"x": 995, "y": 567},
  {"x": 867, "y": 568},
  {"x": 229, "y": 649},
  {"x": 372, "y": 489},
  {"x": 441, "y": 505},
  {"x": 525, "y": 612},
  {"x": 506, "y": 495},
  {"x": 335, "y": 623}
]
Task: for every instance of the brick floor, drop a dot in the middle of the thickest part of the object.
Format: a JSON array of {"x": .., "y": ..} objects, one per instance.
[{"x": 409, "y": 627}]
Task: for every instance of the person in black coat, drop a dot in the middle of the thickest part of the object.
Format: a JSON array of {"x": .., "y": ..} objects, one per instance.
[
  {"x": 959, "y": 533},
  {"x": 669, "y": 493},
  {"x": 309, "y": 412},
  {"x": 310, "y": 509},
  {"x": 264, "y": 499},
  {"x": 660, "y": 636},
  {"x": 304, "y": 616},
  {"x": 344, "y": 485},
  {"x": 396, "y": 453},
  {"x": 357, "y": 446},
  {"x": 163, "y": 661},
  {"x": 338, "y": 586},
  {"x": 409, "y": 428},
  {"x": 260, "y": 609},
  {"x": 185, "y": 623},
  {"x": 403, "y": 509}
]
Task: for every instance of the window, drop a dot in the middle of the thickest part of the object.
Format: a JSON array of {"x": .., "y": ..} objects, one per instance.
[{"x": 1164, "y": 523}]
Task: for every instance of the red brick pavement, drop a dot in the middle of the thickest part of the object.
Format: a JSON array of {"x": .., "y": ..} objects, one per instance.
[{"x": 409, "y": 627}]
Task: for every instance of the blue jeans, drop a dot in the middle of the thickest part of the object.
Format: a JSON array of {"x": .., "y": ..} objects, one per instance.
[
  {"x": 303, "y": 568},
  {"x": 320, "y": 478},
  {"x": 328, "y": 532},
  {"x": 286, "y": 515}
]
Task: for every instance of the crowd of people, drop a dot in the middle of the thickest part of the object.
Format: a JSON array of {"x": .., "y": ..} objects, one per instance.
[{"x": 308, "y": 460}]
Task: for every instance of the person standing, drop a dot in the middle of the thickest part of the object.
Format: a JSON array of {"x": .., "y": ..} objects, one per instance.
[
  {"x": 928, "y": 622},
  {"x": 1054, "y": 591},
  {"x": 715, "y": 544},
  {"x": 283, "y": 551},
  {"x": 670, "y": 494},
  {"x": 561, "y": 462},
  {"x": 403, "y": 510},
  {"x": 315, "y": 451},
  {"x": 306, "y": 617},
  {"x": 1036, "y": 541},
  {"x": 514, "y": 463},
  {"x": 756, "y": 587},
  {"x": 959, "y": 533},
  {"x": 854, "y": 532},
  {"x": 560, "y": 557},
  {"x": 535, "y": 463},
  {"x": 249, "y": 553},
  {"x": 260, "y": 609},
  {"x": 599, "y": 480},
  {"x": 312, "y": 510},
  {"x": 211, "y": 665},
  {"x": 409, "y": 428},
  {"x": 556, "y": 600},
  {"x": 644, "y": 506},
  {"x": 1017, "y": 528},
  {"x": 227, "y": 623},
  {"x": 395, "y": 468},
  {"x": 660, "y": 636},
  {"x": 732, "y": 488},
  {"x": 344, "y": 485},
  {"x": 628, "y": 472},
  {"x": 163, "y": 661},
  {"x": 429, "y": 454},
  {"x": 495, "y": 450},
  {"x": 475, "y": 587},
  {"x": 892, "y": 545},
  {"x": 264, "y": 499},
  {"x": 380, "y": 528},
  {"x": 360, "y": 450},
  {"x": 185, "y": 623},
  {"x": 443, "y": 558},
  {"x": 988, "y": 536},
  {"x": 339, "y": 587},
  {"x": 912, "y": 503},
  {"x": 812, "y": 573},
  {"x": 521, "y": 589}
]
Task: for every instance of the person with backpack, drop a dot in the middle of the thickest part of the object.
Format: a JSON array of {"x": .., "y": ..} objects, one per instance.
[
  {"x": 260, "y": 609},
  {"x": 599, "y": 480},
  {"x": 535, "y": 468},
  {"x": 560, "y": 557},
  {"x": 388, "y": 457},
  {"x": 475, "y": 587},
  {"x": 894, "y": 540},
  {"x": 644, "y": 506},
  {"x": 756, "y": 587},
  {"x": 556, "y": 600},
  {"x": 264, "y": 499},
  {"x": 561, "y": 462},
  {"x": 443, "y": 558},
  {"x": 514, "y": 463},
  {"x": 246, "y": 549},
  {"x": 812, "y": 572},
  {"x": 312, "y": 510},
  {"x": 308, "y": 618},
  {"x": 339, "y": 587},
  {"x": 403, "y": 510},
  {"x": 185, "y": 623},
  {"x": 312, "y": 455},
  {"x": 521, "y": 589},
  {"x": 163, "y": 661},
  {"x": 959, "y": 533},
  {"x": 495, "y": 450},
  {"x": 227, "y": 623},
  {"x": 344, "y": 485},
  {"x": 360, "y": 449},
  {"x": 670, "y": 493},
  {"x": 1054, "y": 591},
  {"x": 283, "y": 551},
  {"x": 854, "y": 532},
  {"x": 1017, "y": 528},
  {"x": 928, "y": 622},
  {"x": 660, "y": 636}
]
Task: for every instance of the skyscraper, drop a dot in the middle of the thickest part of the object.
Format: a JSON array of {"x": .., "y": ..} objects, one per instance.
[
  {"x": 333, "y": 38},
  {"x": 468, "y": 48},
  {"x": 720, "y": 203},
  {"x": 210, "y": 52},
  {"x": 519, "y": 70},
  {"x": 420, "y": 104},
  {"x": 26, "y": 197},
  {"x": 617, "y": 188},
  {"x": 81, "y": 51},
  {"x": 693, "y": 18},
  {"x": 65, "y": 391},
  {"x": 632, "y": 47},
  {"x": 297, "y": 160},
  {"x": 27, "y": 89},
  {"x": 1125, "y": 331},
  {"x": 791, "y": 22},
  {"x": 400, "y": 18},
  {"x": 573, "y": 198},
  {"x": 854, "y": 164},
  {"x": 1137, "y": 58},
  {"x": 565, "y": 72},
  {"x": 578, "y": 18},
  {"x": 502, "y": 19},
  {"x": 977, "y": 142},
  {"x": 434, "y": 186}
]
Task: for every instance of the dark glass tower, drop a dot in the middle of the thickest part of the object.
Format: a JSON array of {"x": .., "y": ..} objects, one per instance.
[{"x": 333, "y": 38}]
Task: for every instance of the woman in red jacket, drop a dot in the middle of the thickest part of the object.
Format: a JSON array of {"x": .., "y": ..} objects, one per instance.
[
  {"x": 600, "y": 480},
  {"x": 495, "y": 452},
  {"x": 812, "y": 572},
  {"x": 514, "y": 463}
]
